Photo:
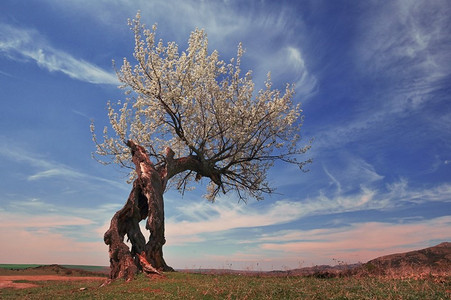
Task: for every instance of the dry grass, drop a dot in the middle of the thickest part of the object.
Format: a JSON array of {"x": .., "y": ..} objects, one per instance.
[{"x": 233, "y": 286}]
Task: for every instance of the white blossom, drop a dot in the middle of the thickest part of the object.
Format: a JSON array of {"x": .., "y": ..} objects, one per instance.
[{"x": 199, "y": 105}]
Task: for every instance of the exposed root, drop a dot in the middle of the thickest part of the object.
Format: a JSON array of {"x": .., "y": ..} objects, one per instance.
[{"x": 147, "y": 267}]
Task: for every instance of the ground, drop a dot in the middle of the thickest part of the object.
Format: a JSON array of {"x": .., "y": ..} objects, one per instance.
[{"x": 15, "y": 281}]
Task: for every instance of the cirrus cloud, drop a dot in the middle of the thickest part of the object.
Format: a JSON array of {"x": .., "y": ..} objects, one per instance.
[{"x": 22, "y": 44}]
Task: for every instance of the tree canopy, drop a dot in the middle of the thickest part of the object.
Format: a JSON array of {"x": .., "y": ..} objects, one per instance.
[{"x": 193, "y": 104}]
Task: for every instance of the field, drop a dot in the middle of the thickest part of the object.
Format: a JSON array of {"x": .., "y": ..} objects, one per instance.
[
  {"x": 183, "y": 285},
  {"x": 18, "y": 266}
]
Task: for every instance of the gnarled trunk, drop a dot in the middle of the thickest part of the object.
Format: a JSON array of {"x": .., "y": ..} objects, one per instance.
[{"x": 144, "y": 201}]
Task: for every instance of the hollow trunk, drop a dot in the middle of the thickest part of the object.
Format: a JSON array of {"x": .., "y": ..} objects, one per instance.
[{"x": 144, "y": 201}]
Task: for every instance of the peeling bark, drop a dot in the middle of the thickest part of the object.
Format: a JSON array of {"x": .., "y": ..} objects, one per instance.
[
  {"x": 146, "y": 201},
  {"x": 122, "y": 263}
]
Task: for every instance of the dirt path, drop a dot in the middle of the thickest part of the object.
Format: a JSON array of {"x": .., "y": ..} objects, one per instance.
[{"x": 8, "y": 281}]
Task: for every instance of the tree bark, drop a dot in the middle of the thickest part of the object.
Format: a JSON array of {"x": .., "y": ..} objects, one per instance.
[{"x": 144, "y": 201}]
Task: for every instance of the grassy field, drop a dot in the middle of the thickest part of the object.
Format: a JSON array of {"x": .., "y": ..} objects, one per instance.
[
  {"x": 17, "y": 266},
  {"x": 233, "y": 286},
  {"x": 78, "y": 267}
]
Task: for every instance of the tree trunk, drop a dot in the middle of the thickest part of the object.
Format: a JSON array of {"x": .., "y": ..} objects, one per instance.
[{"x": 144, "y": 201}]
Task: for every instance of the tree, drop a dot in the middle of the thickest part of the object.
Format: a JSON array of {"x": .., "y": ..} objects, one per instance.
[{"x": 189, "y": 116}]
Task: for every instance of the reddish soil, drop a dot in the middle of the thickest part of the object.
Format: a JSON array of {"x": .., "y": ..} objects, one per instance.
[{"x": 8, "y": 281}]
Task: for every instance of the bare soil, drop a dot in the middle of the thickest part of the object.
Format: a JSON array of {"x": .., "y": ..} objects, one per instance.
[{"x": 10, "y": 281}]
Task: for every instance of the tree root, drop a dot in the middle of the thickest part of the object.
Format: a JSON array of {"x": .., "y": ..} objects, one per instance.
[{"x": 146, "y": 266}]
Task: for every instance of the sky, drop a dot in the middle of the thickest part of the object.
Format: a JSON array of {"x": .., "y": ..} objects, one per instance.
[{"x": 374, "y": 82}]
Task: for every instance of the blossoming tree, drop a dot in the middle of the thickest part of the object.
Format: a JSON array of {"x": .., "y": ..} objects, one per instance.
[{"x": 189, "y": 116}]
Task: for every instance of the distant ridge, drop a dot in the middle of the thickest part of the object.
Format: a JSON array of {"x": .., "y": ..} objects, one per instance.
[
  {"x": 69, "y": 270},
  {"x": 432, "y": 260}
]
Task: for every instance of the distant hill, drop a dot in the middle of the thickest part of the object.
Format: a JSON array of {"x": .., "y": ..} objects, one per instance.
[
  {"x": 433, "y": 260},
  {"x": 54, "y": 269},
  {"x": 74, "y": 270}
]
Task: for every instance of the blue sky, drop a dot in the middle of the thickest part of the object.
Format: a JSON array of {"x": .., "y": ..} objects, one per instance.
[{"x": 374, "y": 80}]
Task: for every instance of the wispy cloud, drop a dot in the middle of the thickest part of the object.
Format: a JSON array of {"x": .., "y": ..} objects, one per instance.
[
  {"x": 405, "y": 42},
  {"x": 28, "y": 44},
  {"x": 230, "y": 25},
  {"x": 50, "y": 248},
  {"x": 51, "y": 238},
  {"x": 48, "y": 168},
  {"x": 287, "y": 60},
  {"x": 21, "y": 221},
  {"x": 358, "y": 241},
  {"x": 58, "y": 233},
  {"x": 62, "y": 172},
  {"x": 306, "y": 82},
  {"x": 401, "y": 50},
  {"x": 202, "y": 218},
  {"x": 223, "y": 215},
  {"x": 6, "y": 74},
  {"x": 401, "y": 191}
]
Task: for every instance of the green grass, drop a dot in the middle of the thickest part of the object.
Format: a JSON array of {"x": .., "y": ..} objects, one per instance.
[
  {"x": 17, "y": 266},
  {"x": 86, "y": 268},
  {"x": 210, "y": 286}
]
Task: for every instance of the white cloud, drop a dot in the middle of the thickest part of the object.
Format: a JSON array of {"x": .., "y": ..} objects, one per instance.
[
  {"x": 23, "y": 221},
  {"x": 402, "y": 49},
  {"x": 45, "y": 233},
  {"x": 224, "y": 215},
  {"x": 401, "y": 191},
  {"x": 285, "y": 61},
  {"x": 48, "y": 168},
  {"x": 198, "y": 220},
  {"x": 28, "y": 44},
  {"x": 271, "y": 43},
  {"x": 54, "y": 173},
  {"x": 58, "y": 227},
  {"x": 6, "y": 74},
  {"x": 288, "y": 249},
  {"x": 349, "y": 171},
  {"x": 42, "y": 246},
  {"x": 406, "y": 42},
  {"x": 358, "y": 241}
]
